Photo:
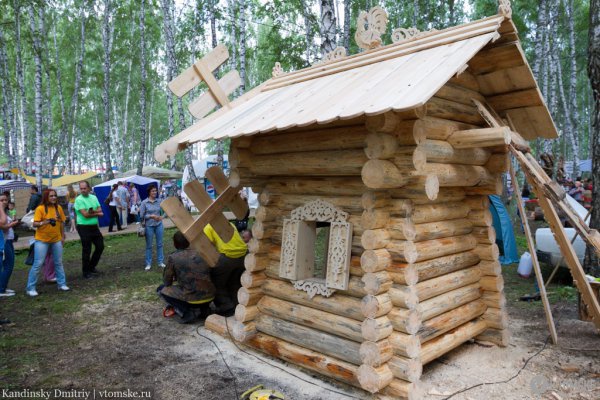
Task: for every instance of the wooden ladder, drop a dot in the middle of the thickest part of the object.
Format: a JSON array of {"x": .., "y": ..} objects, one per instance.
[{"x": 552, "y": 197}]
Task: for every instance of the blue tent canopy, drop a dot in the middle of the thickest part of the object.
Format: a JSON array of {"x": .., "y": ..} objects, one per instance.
[
  {"x": 505, "y": 236},
  {"x": 103, "y": 190}
]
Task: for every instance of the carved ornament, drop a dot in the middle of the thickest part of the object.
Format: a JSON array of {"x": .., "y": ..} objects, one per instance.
[
  {"x": 405, "y": 34},
  {"x": 319, "y": 210},
  {"x": 277, "y": 70},
  {"x": 313, "y": 288},
  {"x": 369, "y": 28},
  {"x": 504, "y": 8},
  {"x": 338, "y": 53}
]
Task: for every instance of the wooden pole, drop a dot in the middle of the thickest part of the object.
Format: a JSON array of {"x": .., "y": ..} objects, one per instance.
[{"x": 534, "y": 259}]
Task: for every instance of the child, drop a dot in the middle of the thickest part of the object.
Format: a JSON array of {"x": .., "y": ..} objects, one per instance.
[{"x": 12, "y": 212}]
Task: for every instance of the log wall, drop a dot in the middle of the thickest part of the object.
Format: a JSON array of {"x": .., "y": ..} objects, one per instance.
[{"x": 424, "y": 273}]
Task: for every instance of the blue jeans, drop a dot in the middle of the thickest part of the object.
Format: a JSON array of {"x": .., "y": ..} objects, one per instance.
[
  {"x": 152, "y": 231},
  {"x": 7, "y": 262},
  {"x": 39, "y": 255}
]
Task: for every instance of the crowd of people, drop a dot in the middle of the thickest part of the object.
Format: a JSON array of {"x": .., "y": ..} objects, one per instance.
[{"x": 191, "y": 289}]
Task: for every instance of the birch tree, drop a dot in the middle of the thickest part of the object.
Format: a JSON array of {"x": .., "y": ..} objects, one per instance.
[
  {"x": 37, "y": 51},
  {"x": 24, "y": 131},
  {"x": 107, "y": 37},
  {"x": 7, "y": 106},
  {"x": 328, "y": 27},
  {"x": 143, "y": 122}
]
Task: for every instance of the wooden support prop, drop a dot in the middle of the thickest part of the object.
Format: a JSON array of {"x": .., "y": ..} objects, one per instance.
[
  {"x": 534, "y": 259},
  {"x": 190, "y": 78},
  {"x": 206, "y": 102},
  {"x": 237, "y": 205},
  {"x": 196, "y": 193}
]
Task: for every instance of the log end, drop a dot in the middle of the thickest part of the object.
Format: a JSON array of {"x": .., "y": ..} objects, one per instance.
[{"x": 373, "y": 379}]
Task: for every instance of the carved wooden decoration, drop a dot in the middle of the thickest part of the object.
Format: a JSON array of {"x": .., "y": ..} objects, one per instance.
[
  {"x": 338, "y": 53},
  {"x": 277, "y": 70},
  {"x": 211, "y": 213},
  {"x": 404, "y": 34},
  {"x": 504, "y": 8},
  {"x": 298, "y": 243},
  {"x": 369, "y": 28}
]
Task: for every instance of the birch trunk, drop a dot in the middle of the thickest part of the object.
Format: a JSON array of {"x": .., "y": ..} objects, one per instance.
[
  {"x": 24, "y": 132},
  {"x": 107, "y": 45},
  {"x": 7, "y": 106},
  {"x": 328, "y": 27},
  {"x": 347, "y": 12},
  {"x": 140, "y": 165},
  {"x": 308, "y": 29},
  {"x": 572, "y": 110},
  {"x": 242, "y": 4},
  {"x": 38, "y": 93}
]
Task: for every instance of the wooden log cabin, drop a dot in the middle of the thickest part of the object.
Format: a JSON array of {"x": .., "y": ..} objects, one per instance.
[{"x": 373, "y": 251}]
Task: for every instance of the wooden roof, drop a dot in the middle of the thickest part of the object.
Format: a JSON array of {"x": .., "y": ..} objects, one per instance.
[{"x": 398, "y": 77}]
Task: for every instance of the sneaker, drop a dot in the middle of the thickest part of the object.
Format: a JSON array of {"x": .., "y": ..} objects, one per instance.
[
  {"x": 6, "y": 293},
  {"x": 148, "y": 267},
  {"x": 64, "y": 288},
  {"x": 31, "y": 293},
  {"x": 53, "y": 280},
  {"x": 162, "y": 265},
  {"x": 168, "y": 312},
  {"x": 9, "y": 291}
]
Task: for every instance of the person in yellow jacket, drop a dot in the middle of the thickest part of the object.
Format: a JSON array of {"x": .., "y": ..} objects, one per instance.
[{"x": 229, "y": 269}]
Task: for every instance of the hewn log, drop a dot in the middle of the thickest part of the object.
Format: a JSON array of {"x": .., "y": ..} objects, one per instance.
[
  {"x": 418, "y": 195},
  {"x": 381, "y": 174},
  {"x": 373, "y": 379},
  {"x": 256, "y": 246},
  {"x": 486, "y": 187},
  {"x": 498, "y": 163},
  {"x": 375, "y": 306},
  {"x": 484, "y": 234},
  {"x": 492, "y": 283},
  {"x": 487, "y": 252},
  {"x": 345, "y": 306},
  {"x": 441, "y": 324},
  {"x": 408, "y": 133},
  {"x": 448, "y": 301},
  {"x": 376, "y": 199},
  {"x": 372, "y": 239},
  {"x": 242, "y": 142},
  {"x": 239, "y": 177},
  {"x": 481, "y": 218},
  {"x": 382, "y": 123},
  {"x": 249, "y": 297},
  {"x": 485, "y": 137},
  {"x": 282, "y": 204},
  {"x": 495, "y": 318},
  {"x": 494, "y": 299},
  {"x": 404, "y": 296},
  {"x": 401, "y": 229},
  {"x": 445, "y": 283},
  {"x": 312, "y": 360},
  {"x": 377, "y": 282},
  {"x": 376, "y": 354},
  {"x": 403, "y": 274},
  {"x": 439, "y": 151},
  {"x": 400, "y": 389},
  {"x": 325, "y": 186},
  {"x": 492, "y": 268},
  {"x": 446, "y": 109},
  {"x": 459, "y": 94},
  {"x": 457, "y": 175},
  {"x": 405, "y": 251},
  {"x": 500, "y": 337},
  {"x": 241, "y": 331},
  {"x": 374, "y": 218},
  {"x": 376, "y": 329},
  {"x": 381, "y": 146},
  {"x": 375, "y": 260},
  {"x": 343, "y": 349},
  {"x": 219, "y": 324},
  {"x": 407, "y": 321},
  {"x": 439, "y": 212},
  {"x": 245, "y": 314},
  {"x": 431, "y": 128},
  {"x": 256, "y": 262},
  {"x": 321, "y": 320},
  {"x": 477, "y": 202},
  {"x": 339, "y": 138},
  {"x": 443, "y": 344},
  {"x": 408, "y": 369},
  {"x": 410, "y": 158},
  {"x": 405, "y": 345},
  {"x": 444, "y": 265},
  {"x": 435, "y": 248},
  {"x": 441, "y": 229},
  {"x": 252, "y": 279}
]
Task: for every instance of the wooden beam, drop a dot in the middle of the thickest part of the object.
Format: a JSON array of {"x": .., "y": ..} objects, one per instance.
[
  {"x": 206, "y": 102},
  {"x": 189, "y": 78}
]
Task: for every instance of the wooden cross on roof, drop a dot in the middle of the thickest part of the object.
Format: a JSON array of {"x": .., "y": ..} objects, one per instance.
[
  {"x": 202, "y": 71},
  {"x": 211, "y": 212}
]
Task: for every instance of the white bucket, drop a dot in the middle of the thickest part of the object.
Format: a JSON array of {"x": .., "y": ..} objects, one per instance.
[{"x": 525, "y": 265}]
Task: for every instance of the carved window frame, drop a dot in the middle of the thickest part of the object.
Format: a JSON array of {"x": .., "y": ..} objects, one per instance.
[{"x": 298, "y": 240}]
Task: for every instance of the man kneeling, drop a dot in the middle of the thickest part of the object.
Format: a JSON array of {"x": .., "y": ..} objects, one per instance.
[{"x": 194, "y": 291}]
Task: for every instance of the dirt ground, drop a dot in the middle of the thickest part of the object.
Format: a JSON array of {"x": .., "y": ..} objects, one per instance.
[{"x": 119, "y": 340}]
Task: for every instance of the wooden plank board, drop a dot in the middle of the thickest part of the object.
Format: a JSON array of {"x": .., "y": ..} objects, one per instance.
[
  {"x": 497, "y": 58},
  {"x": 189, "y": 78},
  {"x": 506, "y": 80},
  {"x": 196, "y": 193},
  {"x": 206, "y": 102},
  {"x": 237, "y": 205},
  {"x": 532, "y": 122},
  {"x": 516, "y": 99}
]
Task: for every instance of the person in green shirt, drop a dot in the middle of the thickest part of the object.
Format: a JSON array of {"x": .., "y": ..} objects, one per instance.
[{"x": 87, "y": 210}]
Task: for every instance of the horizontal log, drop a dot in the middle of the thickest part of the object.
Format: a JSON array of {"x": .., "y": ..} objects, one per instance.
[
  {"x": 376, "y": 329},
  {"x": 477, "y": 202},
  {"x": 338, "y": 138},
  {"x": 404, "y": 296},
  {"x": 492, "y": 283},
  {"x": 374, "y": 218},
  {"x": 373, "y": 379},
  {"x": 408, "y": 369},
  {"x": 485, "y": 137},
  {"x": 244, "y": 313},
  {"x": 486, "y": 187},
  {"x": 317, "y": 186},
  {"x": 256, "y": 262},
  {"x": 381, "y": 146},
  {"x": 432, "y": 128},
  {"x": 376, "y": 282},
  {"x": 381, "y": 174},
  {"x": 442, "y": 229},
  {"x": 219, "y": 324},
  {"x": 403, "y": 274},
  {"x": 487, "y": 252},
  {"x": 429, "y": 269},
  {"x": 456, "y": 174},
  {"x": 498, "y": 163},
  {"x": 439, "y": 212},
  {"x": 492, "y": 268},
  {"x": 241, "y": 331},
  {"x": 243, "y": 177},
  {"x": 441, "y": 345},
  {"x": 373, "y": 239},
  {"x": 345, "y": 306},
  {"x": 459, "y": 94},
  {"x": 400, "y": 389},
  {"x": 376, "y": 199},
  {"x": 441, "y": 324},
  {"x": 448, "y": 301},
  {"x": 306, "y": 316},
  {"x": 249, "y": 296},
  {"x": 309, "y": 359},
  {"x": 375, "y": 306},
  {"x": 446, "y": 109},
  {"x": 376, "y": 354},
  {"x": 241, "y": 142},
  {"x": 445, "y": 283},
  {"x": 435, "y": 248},
  {"x": 375, "y": 260},
  {"x": 408, "y": 133},
  {"x": 405, "y": 345},
  {"x": 315, "y": 163},
  {"x": 500, "y": 337},
  {"x": 257, "y": 246},
  {"x": 404, "y": 251},
  {"x": 284, "y": 202},
  {"x": 482, "y": 218},
  {"x": 331, "y": 345},
  {"x": 496, "y": 318},
  {"x": 406, "y": 321},
  {"x": 382, "y": 123},
  {"x": 252, "y": 279},
  {"x": 484, "y": 234},
  {"x": 401, "y": 229},
  {"x": 438, "y": 151},
  {"x": 494, "y": 299}
]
